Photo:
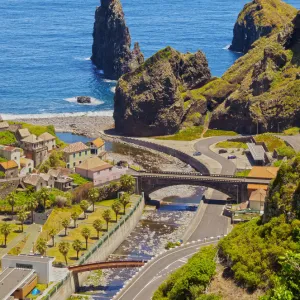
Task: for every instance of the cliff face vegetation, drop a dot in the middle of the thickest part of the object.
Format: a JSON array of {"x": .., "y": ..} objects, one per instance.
[
  {"x": 258, "y": 19},
  {"x": 112, "y": 42},
  {"x": 148, "y": 101}
]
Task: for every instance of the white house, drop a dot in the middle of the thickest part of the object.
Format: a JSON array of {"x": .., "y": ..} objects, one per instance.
[{"x": 49, "y": 140}]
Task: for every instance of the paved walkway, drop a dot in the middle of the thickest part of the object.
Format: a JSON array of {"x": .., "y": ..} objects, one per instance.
[
  {"x": 13, "y": 243},
  {"x": 33, "y": 230},
  {"x": 293, "y": 140}
]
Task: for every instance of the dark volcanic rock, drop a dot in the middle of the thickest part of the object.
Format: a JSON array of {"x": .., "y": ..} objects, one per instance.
[
  {"x": 83, "y": 99},
  {"x": 259, "y": 18},
  {"x": 148, "y": 101},
  {"x": 112, "y": 42}
]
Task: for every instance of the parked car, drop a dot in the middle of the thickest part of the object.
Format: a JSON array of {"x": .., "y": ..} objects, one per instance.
[
  {"x": 198, "y": 153},
  {"x": 221, "y": 151},
  {"x": 231, "y": 157}
]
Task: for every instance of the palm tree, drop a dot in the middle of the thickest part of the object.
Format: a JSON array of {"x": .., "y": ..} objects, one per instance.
[
  {"x": 106, "y": 215},
  {"x": 41, "y": 246},
  {"x": 65, "y": 223},
  {"x": 52, "y": 234},
  {"x": 93, "y": 196},
  {"x": 84, "y": 205},
  {"x": 43, "y": 196},
  {"x": 77, "y": 246},
  {"x": 86, "y": 233},
  {"x": 11, "y": 200},
  {"x": 74, "y": 217},
  {"x": 64, "y": 248},
  {"x": 125, "y": 200},
  {"x": 116, "y": 207},
  {"x": 22, "y": 217},
  {"x": 127, "y": 183},
  {"x": 5, "y": 229},
  {"x": 31, "y": 205},
  {"x": 98, "y": 226}
]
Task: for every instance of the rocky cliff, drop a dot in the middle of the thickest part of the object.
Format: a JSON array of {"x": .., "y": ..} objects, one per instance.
[
  {"x": 149, "y": 100},
  {"x": 111, "y": 47},
  {"x": 259, "y": 18}
]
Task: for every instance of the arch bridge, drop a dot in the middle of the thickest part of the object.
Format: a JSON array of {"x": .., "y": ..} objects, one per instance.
[{"x": 233, "y": 186}]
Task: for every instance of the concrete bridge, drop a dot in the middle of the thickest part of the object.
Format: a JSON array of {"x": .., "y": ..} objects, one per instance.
[{"x": 233, "y": 186}]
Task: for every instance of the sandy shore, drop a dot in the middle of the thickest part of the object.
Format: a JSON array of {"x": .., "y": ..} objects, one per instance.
[{"x": 84, "y": 125}]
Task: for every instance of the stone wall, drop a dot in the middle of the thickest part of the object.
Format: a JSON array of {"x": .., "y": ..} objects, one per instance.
[
  {"x": 114, "y": 240},
  {"x": 7, "y": 186}
]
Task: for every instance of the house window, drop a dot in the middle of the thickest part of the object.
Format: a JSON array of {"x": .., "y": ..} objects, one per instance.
[
  {"x": 74, "y": 155},
  {"x": 85, "y": 152},
  {"x": 74, "y": 164},
  {"x": 79, "y": 153}
]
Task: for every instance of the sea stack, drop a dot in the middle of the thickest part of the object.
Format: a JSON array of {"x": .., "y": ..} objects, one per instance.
[
  {"x": 111, "y": 47},
  {"x": 259, "y": 18}
]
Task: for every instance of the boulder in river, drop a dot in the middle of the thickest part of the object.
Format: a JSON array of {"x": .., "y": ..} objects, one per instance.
[{"x": 83, "y": 99}]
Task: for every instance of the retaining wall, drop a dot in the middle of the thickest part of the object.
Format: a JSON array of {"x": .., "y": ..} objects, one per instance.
[
  {"x": 100, "y": 252},
  {"x": 7, "y": 186}
]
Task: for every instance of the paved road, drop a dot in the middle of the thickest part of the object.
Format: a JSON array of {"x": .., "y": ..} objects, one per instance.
[
  {"x": 228, "y": 167},
  {"x": 293, "y": 140},
  {"x": 156, "y": 271}
]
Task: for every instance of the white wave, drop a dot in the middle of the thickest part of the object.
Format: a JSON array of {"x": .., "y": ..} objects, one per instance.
[
  {"x": 82, "y": 58},
  {"x": 226, "y": 47},
  {"x": 109, "y": 80},
  {"x": 106, "y": 113},
  {"x": 100, "y": 72},
  {"x": 94, "y": 101},
  {"x": 113, "y": 89}
]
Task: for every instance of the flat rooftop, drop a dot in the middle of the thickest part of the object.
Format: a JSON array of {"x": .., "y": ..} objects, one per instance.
[
  {"x": 257, "y": 151},
  {"x": 11, "y": 279},
  {"x": 29, "y": 258}
]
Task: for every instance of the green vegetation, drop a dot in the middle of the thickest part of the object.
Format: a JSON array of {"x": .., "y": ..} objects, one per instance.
[
  {"x": 286, "y": 151},
  {"x": 228, "y": 144},
  {"x": 187, "y": 134},
  {"x": 171, "y": 245},
  {"x": 79, "y": 180},
  {"x": 243, "y": 173},
  {"x": 2, "y": 159},
  {"x": 41, "y": 287},
  {"x": 277, "y": 163},
  {"x": 292, "y": 131},
  {"x": 7, "y": 138},
  {"x": 19, "y": 247},
  {"x": 191, "y": 280},
  {"x": 55, "y": 160},
  {"x": 216, "y": 132},
  {"x": 272, "y": 142}
]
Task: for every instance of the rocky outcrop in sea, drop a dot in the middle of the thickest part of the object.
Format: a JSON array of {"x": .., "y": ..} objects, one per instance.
[
  {"x": 111, "y": 46},
  {"x": 148, "y": 101}
]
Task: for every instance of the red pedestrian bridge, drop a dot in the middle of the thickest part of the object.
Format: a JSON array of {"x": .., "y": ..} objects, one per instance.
[{"x": 107, "y": 265}]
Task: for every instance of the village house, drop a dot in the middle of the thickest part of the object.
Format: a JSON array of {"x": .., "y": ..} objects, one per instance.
[
  {"x": 34, "y": 149},
  {"x": 11, "y": 153},
  {"x": 39, "y": 181},
  {"x": 49, "y": 140},
  {"x": 9, "y": 168},
  {"x": 99, "y": 171},
  {"x": 62, "y": 181},
  {"x": 97, "y": 146},
  {"x": 22, "y": 133},
  {"x": 27, "y": 166},
  {"x": 75, "y": 154},
  {"x": 4, "y": 126},
  {"x": 257, "y": 199}
]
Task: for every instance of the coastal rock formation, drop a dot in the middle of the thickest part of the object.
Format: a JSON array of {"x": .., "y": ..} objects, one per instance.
[
  {"x": 83, "y": 99},
  {"x": 112, "y": 42},
  {"x": 149, "y": 100},
  {"x": 259, "y": 18}
]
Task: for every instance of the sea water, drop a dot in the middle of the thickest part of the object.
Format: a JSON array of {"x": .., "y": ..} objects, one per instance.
[{"x": 45, "y": 48}]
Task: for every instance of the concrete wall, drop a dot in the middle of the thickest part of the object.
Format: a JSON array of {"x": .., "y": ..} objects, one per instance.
[{"x": 108, "y": 247}]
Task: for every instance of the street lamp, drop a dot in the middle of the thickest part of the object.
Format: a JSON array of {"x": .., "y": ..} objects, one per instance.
[
  {"x": 278, "y": 126},
  {"x": 237, "y": 193}
]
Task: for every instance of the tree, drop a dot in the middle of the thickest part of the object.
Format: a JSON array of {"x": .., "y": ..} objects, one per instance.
[
  {"x": 61, "y": 201},
  {"x": 64, "y": 248},
  {"x": 32, "y": 205},
  {"x": 125, "y": 200},
  {"x": 22, "y": 217},
  {"x": 116, "y": 207},
  {"x": 43, "y": 196},
  {"x": 5, "y": 229},
  {"x": 86, "y": 233},
  {"x": 98, "y": 226},
  {"x": 74, "y": 217},
  {"x": 77, "y": 246},
  {"x": 65, "y": 223},
  {"x": 11, "y": 200},
  {"x": 41, "y": 246},
  {"x": 127, "y": 183},
  {"x": 84, "y": 205},
  {"x": 102, "y": 193},
  {"x": 93, "y": 196},
  {"x": 106, "y": 215},
  {"x": 52, "y": 234}
]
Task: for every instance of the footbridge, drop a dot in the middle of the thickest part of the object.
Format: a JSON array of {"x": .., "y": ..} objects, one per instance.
[
  {"x": 233, "y": 186},
  {"x": 107, "y": 265}
]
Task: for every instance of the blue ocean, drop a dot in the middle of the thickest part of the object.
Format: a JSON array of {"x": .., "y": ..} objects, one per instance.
[{"x": 45, "y": 47}]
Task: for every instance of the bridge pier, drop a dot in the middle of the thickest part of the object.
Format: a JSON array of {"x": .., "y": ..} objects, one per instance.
[{"x": 76, "y": 281}]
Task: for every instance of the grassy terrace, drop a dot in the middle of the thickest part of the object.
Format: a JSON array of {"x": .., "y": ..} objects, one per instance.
[
  {"x": 15, "y": 231},
  {"x": 228, "y": 145},
  {"x": 271, "y": 141}
]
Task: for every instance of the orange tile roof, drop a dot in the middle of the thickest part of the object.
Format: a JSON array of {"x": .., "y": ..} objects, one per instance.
[
  {"x": 258, "y": 195},
  {"x": 11, "y": 164},
  {"x": 253, "y": 186},
  {"x": 98, "y": 142},
  {"x": 264, "y": 172},
  {"x": 75, "y": 147},
  {"x": 94, "y": 164}
]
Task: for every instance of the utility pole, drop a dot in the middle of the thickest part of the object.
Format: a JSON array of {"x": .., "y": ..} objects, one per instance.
[{"x": 256, "y": 127}]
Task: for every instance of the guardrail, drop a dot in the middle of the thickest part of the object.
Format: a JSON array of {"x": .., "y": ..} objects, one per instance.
[{"x": 94, "y": 249}]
